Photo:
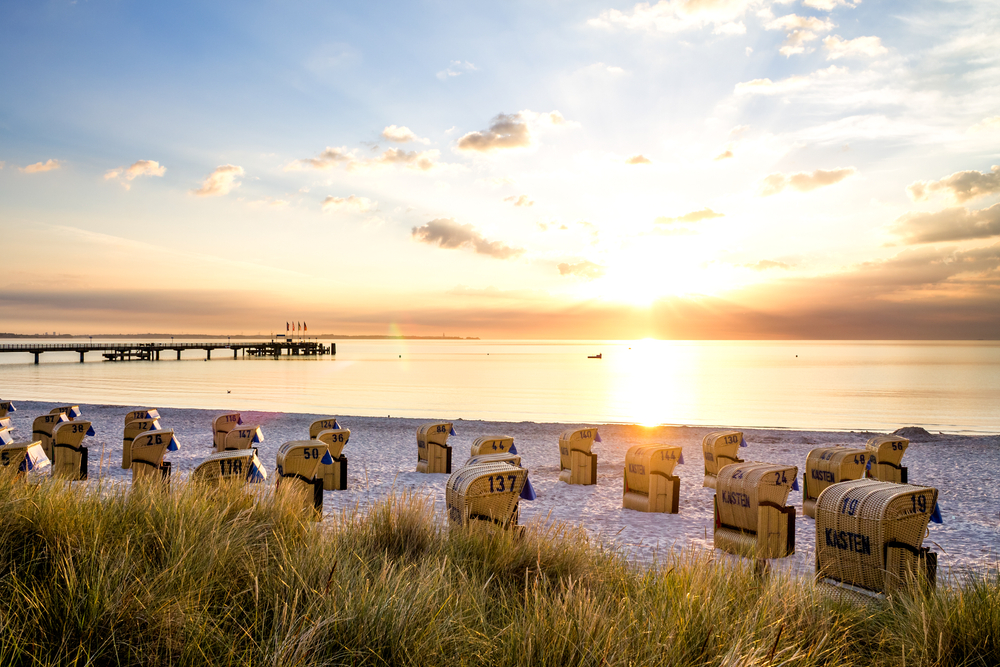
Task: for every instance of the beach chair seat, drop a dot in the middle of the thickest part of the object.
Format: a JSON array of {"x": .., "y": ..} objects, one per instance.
[
  {"x": 869, "y": 536},
  {"x": 6, "y": 407},
  {"x": 133, "y": 429},
  {"x": 491, "y": 444},
  {"x": 485, "y": 491},
  {"x": 320, "y": 425},
  {"x": 433, "y": 451},
  {"x": 885, "y": 455},
  {"x": 238, "y": 466},
  {"x": 221, "y": 426},
  {"x": 243, "y": 437},
  {"x": 650, "y": 485},
  {"x": 148, "y": 450},
  {"x": 19, "y": 458},
  {"x": 826, "y": 466},
  {"x": 720, "y": 449},
  {"x": 751, "y": 518},
  {"x": 334, "y": 473},
  {"x": 145, "y": 413},
  {"x": 298, "y": 468},
  {"x": 43, "y": 427},
  {"x": 69, "y": 460},
  {"x": 577, "y": 464}
]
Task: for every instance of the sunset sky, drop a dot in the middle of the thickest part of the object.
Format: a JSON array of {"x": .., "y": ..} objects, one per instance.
[{"x": 546, "y": 169}]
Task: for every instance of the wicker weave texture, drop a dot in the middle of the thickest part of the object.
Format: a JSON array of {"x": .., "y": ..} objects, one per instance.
[
  {"x": 829, "y": 465},
  {"x": 491, "y": 444},
  {"x": 148, "y": 450},
  {"x": 234, "y": 466},
  {"x": 503, "y": 457},
  {"x": 742, "y": 487},
  {"x": 134, "y": 428},
  {"x": 869, "y": 533},
  {"x": 720, "y": 449},
  {"x": 221, "y": 426},
  {"x": 487, "y": 490}
]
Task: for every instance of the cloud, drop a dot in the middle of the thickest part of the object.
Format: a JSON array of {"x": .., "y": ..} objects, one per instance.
[
  {"x": 951, "y": 224},
  {"x": 351, "y": 204},
  {"x": 139, "y": 168},
  {"x": 585, "y": 269},
  {"x": 724, "y": 155},
  {"x": 446, "y": 233},
  {"x": 2, "y": 164},
  {"x": 801, "y": 30},
  {"x": 693, "y": 216},
  {"x": 523, "y": 200},
  {"x": 791, "y": 84},
  {"x": 509, "y": 131},
  {"x": 638, "y": 159},
  {"x": 960, "y": 186},
  {"x": 803, "y": 181},
  {"x": 456, "y": 68},
  {"x": 269, "y": 202},
  {"x": 677, "y": 16},
  {"x": 220, "y": 182},
  {"x": 419, "y": 160},
  {"x": 39, "y": 167},
  {"x": 847, "y": 48},
  {"x": 328, "y": 159},
  {"x": 828, "y": 5},
  {"x": 986, "y": 124},
  {"x": 765, "y": 264},
  {"x": 402, "y": 135}
]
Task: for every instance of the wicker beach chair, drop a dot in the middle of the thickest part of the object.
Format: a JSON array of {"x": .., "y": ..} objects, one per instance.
[
  {"x": 650, "y": 485},
  {"x": 43, "y": 427},
  {"x": 221, "y": 426},
  {"x": 505, "y": 457},
  {"x": 71, "y": 411},
  {"x": 869, "y": 535},
  {"x": 298, "y": 465},
  {"x": 485, "y": 491},
  {"x": 69, "y": 460},
  {"x": 133, "y": 429},
  {"x": 147, "y": 413},
  {"x": 885, "y": 452},
  {"x": 324, "y": 424},
  {"x": 577, "y": 464},
  {"x": 6, "y": 407},
  {"x": 433, "y": 452},
  {"x": 334, "y": 474},
  {"x": 826, "y": 466},
  {"x": 751, "y": 518},
  {"x": 491, "y": 444},
  {"x": 19, "y": 458},
  {"x": 720, "y": 449},
  {"x": 148, "y": 450},
  {"x": 237, "y": 466},
  {"x": 242, "y": 437}
]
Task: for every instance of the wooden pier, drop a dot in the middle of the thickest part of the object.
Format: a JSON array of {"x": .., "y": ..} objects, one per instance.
[{"x": 151, "y": 351}]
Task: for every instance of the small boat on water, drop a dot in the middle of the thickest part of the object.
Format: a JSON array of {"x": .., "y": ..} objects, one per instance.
[{"x": 595, "y": 356}]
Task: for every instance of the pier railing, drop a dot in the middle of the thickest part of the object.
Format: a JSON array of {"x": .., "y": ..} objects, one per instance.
[{"x": 127, "y": 351}]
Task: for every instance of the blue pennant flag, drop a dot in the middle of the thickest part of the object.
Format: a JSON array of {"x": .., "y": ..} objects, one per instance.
[
  {"x": 597, "y": 436},
  {"x": 174, "y": 445},
  {"x": 91, "y": 431},
  {"x": 680, "y": 461},
  {"x": 327, "y": 459},
  {"x": 795, "y": 483},
  {"x": 255, "y": 474},
  {"x": 743, "y": 441},
  {"x": 336, "y": 424},
  {"x": 528, "y": 492},
  {"x": 936, "y": 514},
  {"x": 868, "y": 466},
  {"x": 452, "y": 432},
  {"x": 5, "y": 437},
  {"x": 513, "y": 449},
  {"x": 75, "y": 412},
  {"x": 239, "y": 420}
]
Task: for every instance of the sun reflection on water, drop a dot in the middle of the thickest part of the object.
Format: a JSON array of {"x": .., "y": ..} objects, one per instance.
[{"x": 647, "y": 381}]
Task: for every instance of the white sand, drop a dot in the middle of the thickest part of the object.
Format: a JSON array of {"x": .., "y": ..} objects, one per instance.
[{"x": 382, "y": 457}]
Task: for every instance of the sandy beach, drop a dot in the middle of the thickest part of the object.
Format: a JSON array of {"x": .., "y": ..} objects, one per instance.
[{"x": 382, "y": 459}]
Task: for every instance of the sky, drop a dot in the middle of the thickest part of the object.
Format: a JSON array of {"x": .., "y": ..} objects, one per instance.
[{"x": 687, "y": 169}]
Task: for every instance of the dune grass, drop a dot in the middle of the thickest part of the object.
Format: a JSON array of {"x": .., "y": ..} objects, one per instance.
[{"x": 113, "y": 576}]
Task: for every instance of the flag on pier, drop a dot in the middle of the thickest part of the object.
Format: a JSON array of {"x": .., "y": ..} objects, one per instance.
[{"x": 304, "y": 327}]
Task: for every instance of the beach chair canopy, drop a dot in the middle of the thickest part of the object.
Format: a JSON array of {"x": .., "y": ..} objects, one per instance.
[
  {"x": 325, "y": 424},
  {"x": 751, "y": 516},
  {"x": 22, "y": 457},
  {"x": 71, "y": 411},
  {"x": 829, "y": 465},
  {"x": 487, "y": 491},
  {"x": 335, "y": 439},
  {"x": 69, "y": 456},
  {"x": 6, "y": 407},
  {"x": 436, "y": 433},
  {"x": 720, "y": 448},
  {"x": 6, "y": 435},
  {"x": 492, "y": 444},
  {"x": 870, "y": 533},
  {"x": 506, "y": 457},
  {"x": 133, "y": 429},
  {"x": 433, "y": 452},
  {"x": 148, "y": 413},
  {"x": 43, "y": 426},
  {"x": 300, "y": 459},
  {"x": 222, "y": 425},
  {"x": 148, "y": 450},
  {"x": 238, "y": 465},
  {"x": 577, "y": 464},
  {"x": 885, "y": 455},
  {"x": 649, "y": 483},
  {"x": 243, "y": 437}
]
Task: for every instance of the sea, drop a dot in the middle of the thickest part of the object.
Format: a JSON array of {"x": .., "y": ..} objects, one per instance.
[{"x": 942, "y": 386}]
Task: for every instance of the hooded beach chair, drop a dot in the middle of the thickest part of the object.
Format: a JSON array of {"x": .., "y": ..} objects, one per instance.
[
  {"x": 221, "y": 426},
  {"x": 577, "y": 464},
  {"x": 485, "y": 491},
  {"x": 720, "y": 449},
  {"x": 334, "y": 474},
  {"x": 650, "y": 485},
  {"x": 298, "y": 467},
  {"x": 71, "y": 411},
  {"x": 5, "y": 408},
  {"x": 751, "y": 518},
  {"x": 6, "y": 433},
  {"x": 492, "y": 444},
  {"x": 433, "y": 452},
  {"x": 133, "y": 429},
  {"x": 826, "y": 466},
  {"x": 42, "y": 428},
  {"x": 19, "y": 458},
  {"x": 238, "y": 466},
  {"x": 148, "y": 413},
  {"x": 148, "y": 450},
  {"x": 869, "y": 536},
  {"x": 325, "y": 424},
  {"x": 885, "y": 453},
  {"x": 243, "y": 437},
  {"x": 69, "y": 456}
]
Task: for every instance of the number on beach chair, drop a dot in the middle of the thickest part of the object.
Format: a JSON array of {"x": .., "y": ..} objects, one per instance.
[
  {"x": 69, "y": 460},
  {"x": 751, "y": 518},
  {"x": 133, "y": 429},
  {"x": 650, "y": 485},
  {"x": 492, "y": 444},
  {"x": 148, "y": 450},
  {"x": 221, "y": 426},
  {"x": 5, "y": 408},
  {"x": 298, "y": 465},
  {"x": 148, "y": 413},
  {"x": 885, "y": 453},
  {"x": 485, "y": 491},
  {"x": 334, "y": 474},
  {"x": 243, "y": 437},
  {"x": 577, "y": 464},
  {"x": 826, "y": 466},
  {"x": 238, "y": 466},
  {"x": 720, "y": 449}
]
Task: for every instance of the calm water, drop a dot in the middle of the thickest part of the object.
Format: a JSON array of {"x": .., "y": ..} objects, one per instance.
[{"x": 943, "y": 386}]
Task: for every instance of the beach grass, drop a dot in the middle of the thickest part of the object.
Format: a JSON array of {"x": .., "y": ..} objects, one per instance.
[{"x": 108, "y": 575}]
